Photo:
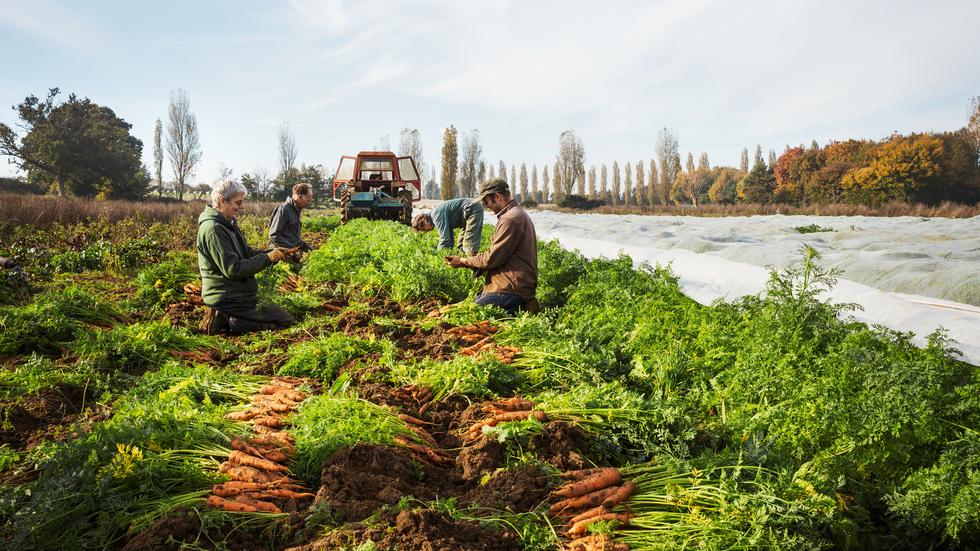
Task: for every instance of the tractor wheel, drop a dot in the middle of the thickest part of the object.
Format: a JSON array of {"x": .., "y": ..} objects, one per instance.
[
  {"x": 344, "y": 201},
  {"x": 406, "y": 198}
]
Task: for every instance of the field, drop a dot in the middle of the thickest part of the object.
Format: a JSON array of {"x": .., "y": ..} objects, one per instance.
[{"x": 397, "y": 415}]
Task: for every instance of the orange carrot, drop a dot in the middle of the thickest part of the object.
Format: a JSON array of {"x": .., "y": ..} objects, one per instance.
[
  {"x": 273, "y": 440},
  {"x": 579, "y": 474},
  {"x": 587, "y": 501},
  {"x": 590, "y": 543},
  {"x": 227, "y": 505},
  {"x": 593, "y": 512},
  {"x": 279, "y": 493},
  {"x": 250, "y": 474},
  {"x": 272, "y": 454},
  {"x": 425, "y": 451},
  {"x": 603, "y": 479},
  {"x": 412, "y": 420},
  {"x": 423, "y": 434},
  {"x": 268, "y": 421},
  {"x": 246, "y": 460},
  {"x": 283, "y": 384},
  {"x": 511, "y": 404},
  {"x": 332, "y": 307},
  {"x": 621, "y": 495},
  {"x": 471, "y": 350},
  {"x": 246, "y": 415},
  {"x": 260, "y": 505},
  {"x": 580, "y": 527}
]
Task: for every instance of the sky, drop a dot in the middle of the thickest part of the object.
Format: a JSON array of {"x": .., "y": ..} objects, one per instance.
[{"x": 721, "y": 75}]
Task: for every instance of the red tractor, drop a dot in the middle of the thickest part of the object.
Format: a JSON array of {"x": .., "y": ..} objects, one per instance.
[{"x": 378, "y": 185}]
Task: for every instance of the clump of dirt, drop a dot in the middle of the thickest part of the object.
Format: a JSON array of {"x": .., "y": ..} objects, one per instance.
[
  {"x": 358, "y": 480},
  {"x": 430, "y": 529},
  {"x": 185, "y": 313},
  {"x": 485, "y": 456},
  {"x": 435, "y": 344},
  {"x": 40, "y": 412},
  {"x": 559, "y": 444},
  {"x": 169, "y": 533},
  {"x": 519, "y": 490}
]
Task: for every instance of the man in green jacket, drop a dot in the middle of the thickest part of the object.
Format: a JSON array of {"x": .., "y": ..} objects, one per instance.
[
  {"x": 228, "y": 267},
  {"x": 285, "y": 227},
  {"x": 465, "y": 214}
]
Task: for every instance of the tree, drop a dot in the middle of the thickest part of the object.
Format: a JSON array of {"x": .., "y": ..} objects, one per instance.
[
  {"x": 723, "y": 187},
  {"x": 813, "y": 145},
  {"x": 559, "y": 187},
  {"x": 78, "y": 148},
  {"x": 570, "y": 160},
  {"x": 183, "y": 142},
  {"x": 546, "y": 180},
  {"x": 287, "y": 149},
  {"x": 772, "y": 158},
  {"x": 615, "y": 183},
  {"x": 502, "y": 169},
  {"x": 447, "y": 181},
  {"x": 603, "y": 187},
  {"x": 513, "y": 179},
  {"x": 669, "y": 157},
  {"x": 313, "y": 176},
  {"x": 653, "y": 197},
  {"x": 534, "y": 183},
  {"x": 482, "y": 173},
  {"x": 758, "y": 155},
  {"x": 902, "y": 168},
  {"x": 627, "y": 183},
  {"x": 492, "y": 173},
  {"x": 744, "y": 160},
  {"x": 593, "y": 192},
  {"x": 640, "y": 185},
  {"x": 431, "y": 187},
  {"x": 973, "y": 126},
  {"x": 470, "y": 156},
  {"x": 789, "y": 185},
  {"x": 410, "y": 145},
  {"x": 158, "y": 156},
  {"x": 696, "y": 180},
  {"x": 524, "y": 188},
  {"x": 757, "y": 185},
  {"x": 580, "y": 183}
]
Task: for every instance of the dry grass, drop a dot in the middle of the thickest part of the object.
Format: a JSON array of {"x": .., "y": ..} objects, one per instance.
[
  {"x": 44, "y": 210},
  {"x": 943, "y": 210}
]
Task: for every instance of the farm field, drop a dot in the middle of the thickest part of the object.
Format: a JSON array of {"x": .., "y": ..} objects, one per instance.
[{"x": 397, "y": 415}]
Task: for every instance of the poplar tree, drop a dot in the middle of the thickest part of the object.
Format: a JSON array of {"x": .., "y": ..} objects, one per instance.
[
  {"x": 603, "y": 187},
  {"x": 559, "y": 190},
  {"x": 158, "y": 156},
  {"x": 744, "y": 161},
  {"x": 628, "y": 183},
  {"x": 450, "y": 154},
  {"x": 534, "y": 183},
  {"x": 524, "y": 189},
  {"x": 547, "y": 184},
  {"x": 641, "y": 195},
  {"x": 652, "y": 197},
  {"x": 593, "y": 193},
  {"x": 615, "y": 183}
]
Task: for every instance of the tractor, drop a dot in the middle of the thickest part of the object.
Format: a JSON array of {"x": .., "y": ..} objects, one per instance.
[{"x": 377, "y": 185}]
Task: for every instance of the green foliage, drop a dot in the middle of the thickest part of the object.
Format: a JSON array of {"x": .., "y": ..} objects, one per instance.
[
  {"x": 322, "y": 357},
  {"x": 15, "y": 286},
  {"x": 162, "y": 283},
  {"x": 325, "y": 423},
  {"x": 322, "y": 223},
  {"x": 387, "y": 257},
  {"x": 105, "y": 255},
  {"x": 137, "y": 347},
  {"x": 812, "y": 228},
  {"x": 77, "y": 147},
  {"x": 558, "y": 271},
  {"x": 462, "y": 375},
  {"x": 36, "y": 373},
  {"x": 52, "y": 319}
]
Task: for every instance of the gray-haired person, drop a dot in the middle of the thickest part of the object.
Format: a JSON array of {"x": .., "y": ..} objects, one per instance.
[
  {"x": 463, "y": 214},
  {"x": 228, "y": 267},
  {"x": 285, "y": 228}
]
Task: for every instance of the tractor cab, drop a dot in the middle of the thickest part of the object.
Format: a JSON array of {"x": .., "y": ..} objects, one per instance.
[{"x": 378, "y": 185}]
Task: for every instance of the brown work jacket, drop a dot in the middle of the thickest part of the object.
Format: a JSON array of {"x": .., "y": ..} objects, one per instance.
[{"x": 511, "y": 264}]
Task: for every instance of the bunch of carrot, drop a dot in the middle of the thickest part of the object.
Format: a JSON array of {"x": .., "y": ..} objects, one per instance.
[
  {"x": 476, "y": 336},
  {"x": 420, "y": 393},
  {"x": 501, "y": 411},
  {"x": 589, "y": 496},
  {"x": 269, "y": 407},
  {"x": 506, "y": 354},
  {"x": 259, "y": 482}
]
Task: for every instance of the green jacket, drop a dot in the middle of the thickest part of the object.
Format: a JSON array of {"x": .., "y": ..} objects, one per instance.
[
  {"x": 465, "y": 214},
  {"x": 227, "y": 264}
]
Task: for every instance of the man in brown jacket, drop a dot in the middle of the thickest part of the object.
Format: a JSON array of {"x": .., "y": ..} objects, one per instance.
[{"x": 511, "y": 264}]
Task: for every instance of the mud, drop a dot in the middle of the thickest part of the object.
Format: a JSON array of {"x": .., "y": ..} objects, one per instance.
[
  {"x": 561, "y": 445},
  {"x": 517, "y": 490},
  {"x": 169, "y": 533},
  {"x": 37, "y": 415}
]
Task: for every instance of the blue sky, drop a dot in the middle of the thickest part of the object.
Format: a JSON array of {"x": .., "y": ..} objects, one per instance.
[{"x": 722, "y": 75}]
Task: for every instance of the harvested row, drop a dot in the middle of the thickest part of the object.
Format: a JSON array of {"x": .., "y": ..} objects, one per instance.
[
  {"x": 259, "y": 480},
  {"x": 502, "y": 411}
]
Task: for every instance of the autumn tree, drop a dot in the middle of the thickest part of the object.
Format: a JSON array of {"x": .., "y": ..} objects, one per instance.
[
  {"x": 557, "y": 186},
  {"x": 627, "y": 183},
  {"x": 973, "y": 126},
  {"x": 593, "y": 192},
  {"x": 534, "y": 183},
  {"x": 616, "y": 184},
  {"x": 502, "y": 169},
  {"x": 604, "y": 185},
  {"x": 641, "y": 195},
  {"x": 723, "y": 187},
  {"x": 789, "y": 185},
  {"x": 513, "y": 179},
  {"x": 902, "y": 168},
  {"x": 523, "y": 180},
  {"x": 570, "y": 160},
  {"x": 447, "y": 180},
  {"x": 546, "y": 184},
  {"x": 158, "y": 156},
  {"x": 580, "y": 183},
  {"x": 481, "y": 174},
  {"x": 668, "y": 155},
  {"x": 653, "y": 197}
]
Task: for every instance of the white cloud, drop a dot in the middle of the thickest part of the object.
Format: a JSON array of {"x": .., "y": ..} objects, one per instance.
[
  {"x": 52, "y": 23},
  {"x": 328, "y": 15}
]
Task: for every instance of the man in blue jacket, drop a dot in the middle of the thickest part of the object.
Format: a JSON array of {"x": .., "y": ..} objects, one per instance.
[{"x": 465, "y": 214}]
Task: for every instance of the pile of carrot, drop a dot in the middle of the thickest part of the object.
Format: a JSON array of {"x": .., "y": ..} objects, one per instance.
[
  {"x": 589, "y": 496},
  {"x": 422, "y": 394},
  {"x": 501, "y": 411},
  {"x": 506, "y": 354},
  {"x": 256, "y": 466},
  {"x": 193, "y": 292},
  {"x": 475, "y": 336},
  {"x": 291, "y": 284}
]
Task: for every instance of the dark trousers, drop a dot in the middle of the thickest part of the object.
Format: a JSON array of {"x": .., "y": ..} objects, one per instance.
[
  {"x": 246, "y": 319},
  {"x": 507, "y": 301}
]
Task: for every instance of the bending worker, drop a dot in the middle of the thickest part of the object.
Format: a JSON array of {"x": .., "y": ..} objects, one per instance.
[
  {"x": 465, "y": 214},
  {"x": 228, "y": 267},
  {"x": 285, "y": 228},
  {"x": 511, "y": 264}
]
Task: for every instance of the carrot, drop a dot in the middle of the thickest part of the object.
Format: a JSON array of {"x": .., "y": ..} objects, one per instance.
[
  {"x": 579, "y": 474},
  {"x": 589, "y": 543},
  {"x": 422, "y": 394},
  {"x": 278, "y": 493},
  {"x": 246, "y": 460},
  {"x": 602, "y": 479},
  {"x": 275, "y": 406},
  {"x": 593, "y": 512},
  {"x": 332, "y": 307},
  {"x": 243, "y": 446},
  {"x": 268, "y": 421},
  {"x": 227, "y": 505},
  {"x": 246, "y": 415},
  {"x": 425, "y": 451},
  {"x": 621, "y": 495},
  {"x": 588, "y": 500},
  {"x": 259, "y": 505},
  {"x": 284, "y": 442},
  {"x": 272, "y": 454},
  {"x": 293, "y": 395},
  {"x": 423, "y": 434},
  {"x": 471, "y": 350},
  {"x": 509, "y": 416},
  {"x": 581, "y": 526},
  {"x": 412, "y": 420},
  {"x": 250, "y": 474},
  {"x": 511, "y": 404},
  {"x": 282, "y": 384}
]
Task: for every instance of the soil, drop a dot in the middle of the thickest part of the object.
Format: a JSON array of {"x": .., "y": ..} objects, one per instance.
[
  {"x": 43, "y": 413},
  {"x": 169, "y": 533},
  {"x": 560, "y": 444},
  {"x": 518, "y": 490}
]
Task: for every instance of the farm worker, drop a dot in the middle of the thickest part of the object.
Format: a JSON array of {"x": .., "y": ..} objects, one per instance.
[
  {"x": 511, "y": 265},
  {"x": 285, "y": 228},
  {"x": 228, "y": 267},
  {"x": 465, "y": 214}
]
